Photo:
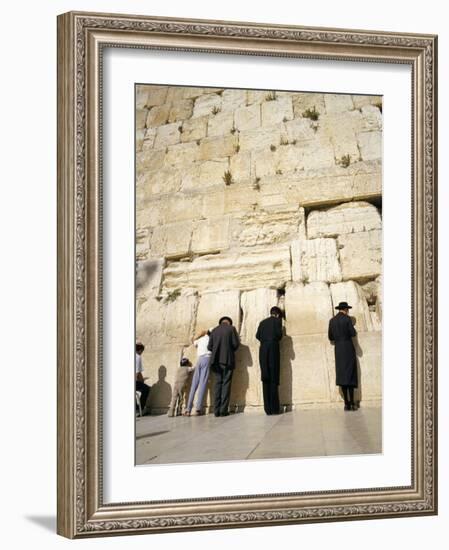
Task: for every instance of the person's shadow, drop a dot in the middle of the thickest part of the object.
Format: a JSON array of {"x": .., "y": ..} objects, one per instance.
[
  {"x": 358, "y": 394},
  {"x": 160, "y": 393},
  {"x": 286, "y": 374},
  {"x": 240, "y": 379}
]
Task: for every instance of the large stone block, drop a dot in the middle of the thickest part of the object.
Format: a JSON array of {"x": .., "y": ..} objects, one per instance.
[
  {"x": 231, "y": 199},
  {"x": 214, "y": 305},
  {"x": 336, "y": 103},
  {"x": 194, "y": 129},
  {"x": 220, "y": 124},
  {"x": 149, "y": 138},
  {"x": 315, "y": 260},
  {"x": 279, "y": 110},
  {"x": 141, "y": 116},
  {"x": 308, "y": 308},
  {"x": 142, "y": 243},
  {"x": 150, "y": 159},
  {"x": 299, "y": 129},
  {"x": 304, "y": 370},
  {"x": 247, "y": 118},
  {"x": 157, "y": 116},
  {"x": 182, "y": 154},
  {"x": 206, "y": 105},
  {"x": 167, "y": 135},
  {"x": 349, "y": 217},
  {"x": 240, "y": 166},
  {"x": 149, "y": 277},
  {"x": 141, "y": 96},
  {"x": 372, "y": 117},
  {"x": 289, "y": 159},
  {"x": 140, "y": 136},
  {"x": 255, "y": 305},
  {"x": 361, "y": 100},
  {"x": 156, "y": 95},
  {"x": 262, "y": 138},
  {"x": 171, "y": 240},
  {"x": 361, "y": 254},
  {"x": 211, "y": 172},
  {"x": 160, "y": 181},
  {"x": 317, "y": 153},
  {"x": 370, "y": 144},
  {"x": 181, "y": 110},
  {"x": 217, "y": 147},
  {"x": 256, "y": 96},
  {"x": 352, "y": 293},
  {"x": 267, "y": 267},
  {"x": 269, "y": 226},
  {"x": 302, "y": 102},
  {"x": 233, "y": 99},
  {"x": 210, "y": 236}
]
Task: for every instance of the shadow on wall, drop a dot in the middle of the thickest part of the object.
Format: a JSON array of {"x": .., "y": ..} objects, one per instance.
[
  {"x": 144, "y": 272},
  {"x": 358, "y": 394},
  {"x": 286, "y": 374},
  {"x": 240, "y": 379},
  {"x": 161, "y": 392}
]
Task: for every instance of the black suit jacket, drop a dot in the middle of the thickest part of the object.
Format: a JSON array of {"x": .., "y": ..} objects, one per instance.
[{"x": 223, "y": 342}]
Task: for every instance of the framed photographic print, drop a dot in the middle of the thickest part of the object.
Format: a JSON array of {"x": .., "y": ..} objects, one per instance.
[{"x": 247, "y": 274}]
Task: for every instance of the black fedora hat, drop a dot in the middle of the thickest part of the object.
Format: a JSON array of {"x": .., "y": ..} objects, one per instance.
[{"x": 343, "y": 305}]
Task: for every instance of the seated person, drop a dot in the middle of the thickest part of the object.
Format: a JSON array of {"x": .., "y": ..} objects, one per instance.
[
  {"x": 181, "y": 378},
  {"x": 140, "y": 384}
]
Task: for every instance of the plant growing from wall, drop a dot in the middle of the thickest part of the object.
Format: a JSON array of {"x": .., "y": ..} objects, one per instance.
[
  {"x": 256, "y": 184},
  {"x": 172, "y": 296},
  {"x": 227, "y": 178},
  {"x": 313, "y": 114},
  {"x": 272, "y": 148},
  {"x": 215, "y": 110},
  {"x": 345, "y": 161},
  {"x": 270, "y": 96}
]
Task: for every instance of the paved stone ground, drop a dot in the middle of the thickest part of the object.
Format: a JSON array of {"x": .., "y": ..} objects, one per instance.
[{"x": 254, "y": 435}]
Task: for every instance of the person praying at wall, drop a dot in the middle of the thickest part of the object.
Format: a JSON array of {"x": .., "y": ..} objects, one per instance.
[{"x": 200, "y": 373}]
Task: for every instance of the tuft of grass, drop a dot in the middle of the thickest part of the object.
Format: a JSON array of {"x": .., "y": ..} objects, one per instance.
[
  {"x": 273, "y": 148},
  {"x": 215, "y": 110},
  {"x": 237, "y": 148},
  {"x": 256, "y": 184},
  {"x": 305, "y": 279},
  {"x": 278, "y": 172},
  {"x": 180, "y": 129},
  {"x": 227, "y": 178},
  {"x": 233, "y": 130},
  {"x": 172, "y": 296},
  {"x": 270, "y": 96},
  {"x": 313, "y": 114},
  {"x": 198, "y": 142},
  {"x": 284, "y": 141},
  {"x": 285, "y": 119},
  {"x": 345, "y": 161}
]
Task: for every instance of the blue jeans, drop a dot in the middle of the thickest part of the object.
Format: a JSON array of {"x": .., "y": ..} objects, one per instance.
[{"x": 199, "y": 382}]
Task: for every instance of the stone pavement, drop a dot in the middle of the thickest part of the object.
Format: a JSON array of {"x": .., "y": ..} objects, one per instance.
[{"x": 253, "y": 435}]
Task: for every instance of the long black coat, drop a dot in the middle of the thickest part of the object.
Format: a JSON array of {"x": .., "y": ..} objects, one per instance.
[
  {"x": 269, "y": 333},
  {"x": 223, "y": 342},
  {"x": 341, "y": 331}
]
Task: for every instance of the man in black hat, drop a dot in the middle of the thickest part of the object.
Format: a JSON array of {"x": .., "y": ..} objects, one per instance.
[
  {"x": 223, "y": 342},
  {"x": 341, "y": 332},
  {"x": 269, "y": 333}
]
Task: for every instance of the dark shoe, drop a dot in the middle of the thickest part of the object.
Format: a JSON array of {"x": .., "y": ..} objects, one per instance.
[
  {"x": 224, "y": 414},
  {"x": 347, "y": 407},
  {"x": 353, "y": 407},
  {"x": 217, "y": 414}
]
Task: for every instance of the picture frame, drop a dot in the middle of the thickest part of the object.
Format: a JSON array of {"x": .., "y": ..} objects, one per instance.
[{"x": 82, "y": 39}]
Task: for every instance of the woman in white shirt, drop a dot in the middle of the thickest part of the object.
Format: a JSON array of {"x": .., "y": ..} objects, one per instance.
[{"x": 200, "y": 374}]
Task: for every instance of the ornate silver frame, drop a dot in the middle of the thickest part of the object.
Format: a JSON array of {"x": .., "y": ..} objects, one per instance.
[{"x": 81, "y": 511}]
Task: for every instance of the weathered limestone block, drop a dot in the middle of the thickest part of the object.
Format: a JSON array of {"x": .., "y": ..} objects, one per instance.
[
  {"x": 181, "y": 110},
  {"x": 246, "y": 390},
  {"x": 217, "y": 147},
  {"x": 194, "y": 92},
  {"x": 336, "y": 103},
  {"x": 269, "y": 226},
  {"x": 140, "y": 136},
  {"x": 373, "y": 294},
  {"x": 361, "y": 254},
  {"x": 233, "y": 198},
  {"x": 256, "y": 305},
  {"x": 149, "y": 138},
  {"x": 279, "y": 110},
  {"x": 256, "y": 96},
  {"x": 149, "y": 159},
  {"x": 194, "y": 129},
  {"x": 308, "y": 308},
  {"x": 333, "y": 185},
  {"x": 240, "y": 166},
  {"x": 370, "y": 144},
  {"x": 299, "y": 129},
  {"x": 372, "y": 117},
  {"x": 302, "y": 102},
  {"x": 352, "y": 293},
  {"x": 211, "y": 172},
  {"x": 156, "y": 95},
  {"x": 315, "y": 260},
  {"x": 149, "y": 277},
  {"x": 141, "y": 96},
  {"x": 141, "y": 116},
  {"x": 361, "y": 100},
  {"x": 172, "y": 239},
  {"x": 317, "y": 153},
  {"x": 190, "y": 177},
  {"x": 247, "y": 118},
  {"x": 220, "y": 124},
  {"x": 304, "y": 369},
  {"x": 267, "y": 267},
  {"x": 289, "y": 159},
  {"x": 214, "y": 305},
  {"x": 206, "y": 104},
  {"x": 175, "y": 94},
  {"x": 263, "y": 138},
  {"x": 159, "y": 182},
  {"x": 233, "y": 99},
  {"x": 167, "y": 135},
  {"x": 142, "y": 243},
  {"x": 158, "y": 115},
  {"x": 182, "y": 154},
  {"x": 210, "y": 236},
  {"x": 349, "y": 217},
  {"x": 264, "y": 162}
]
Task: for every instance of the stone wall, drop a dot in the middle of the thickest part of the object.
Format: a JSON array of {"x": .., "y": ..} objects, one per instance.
[{"x": 248, "y": 199}]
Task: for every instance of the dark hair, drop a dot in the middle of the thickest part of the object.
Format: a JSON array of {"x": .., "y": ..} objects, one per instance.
[
  {"x": 185, "y": 362},
  {"x": 225, "y": 318},
  {"x": 276, "y": 311},
  {"x": 140, "y": 347}
]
